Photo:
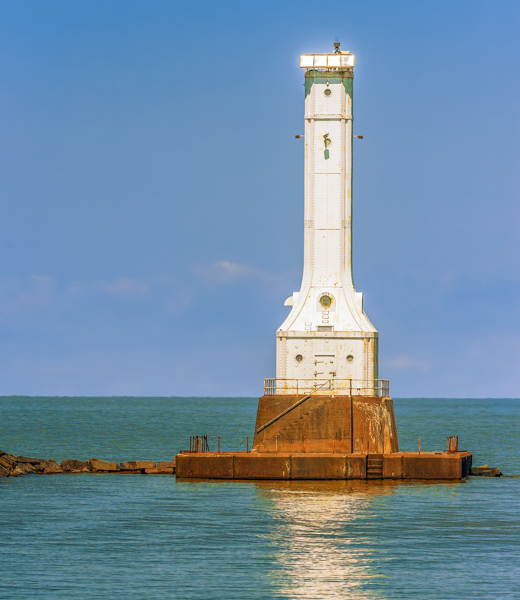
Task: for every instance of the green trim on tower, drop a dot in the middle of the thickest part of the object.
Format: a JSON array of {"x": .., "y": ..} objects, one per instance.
[{"x": 344, "y": 77}]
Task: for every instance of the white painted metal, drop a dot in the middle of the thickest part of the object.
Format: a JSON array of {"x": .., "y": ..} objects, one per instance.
[{"x": 319, "y": 342}]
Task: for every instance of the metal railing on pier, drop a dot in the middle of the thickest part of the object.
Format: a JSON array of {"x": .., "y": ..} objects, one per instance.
[
  {"x": 347, "y": 387},
  {"x": 199, "y": 444}
]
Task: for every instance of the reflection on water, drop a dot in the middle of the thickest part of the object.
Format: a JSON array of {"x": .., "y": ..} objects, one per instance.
[
  {"x": 319, "y": 533},
  {"x": 318, "y": 555}
]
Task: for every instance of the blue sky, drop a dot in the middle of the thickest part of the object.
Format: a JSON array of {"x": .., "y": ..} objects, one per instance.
[{"x": 151, "y": 191}]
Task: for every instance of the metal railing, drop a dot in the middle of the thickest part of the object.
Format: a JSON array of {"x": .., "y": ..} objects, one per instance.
[
  {"x": 200, "y": 444},
  {"x": 347, "y": 387}
]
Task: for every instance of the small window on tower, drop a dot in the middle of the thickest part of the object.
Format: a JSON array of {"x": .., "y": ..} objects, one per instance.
[
  {"x": 325, "y": 301},
  {"x": 350, "y": 358},
  {"x": 327, "y": 92},
  {"x": 299, "y": 358}
]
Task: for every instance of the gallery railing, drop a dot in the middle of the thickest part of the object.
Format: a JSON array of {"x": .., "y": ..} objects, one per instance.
[{"x": 347, "y": 387}]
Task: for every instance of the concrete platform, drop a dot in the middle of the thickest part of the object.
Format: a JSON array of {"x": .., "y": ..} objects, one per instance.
[{"x": 316, "y": 466}]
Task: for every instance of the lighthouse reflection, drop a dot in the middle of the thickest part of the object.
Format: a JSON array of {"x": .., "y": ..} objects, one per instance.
[{"x": 320, "y": 531}]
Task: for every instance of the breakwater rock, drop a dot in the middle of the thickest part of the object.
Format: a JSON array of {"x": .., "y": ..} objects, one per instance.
[
  {"x": 14, "y": 466},
  {"x": 486, "y": 471}
]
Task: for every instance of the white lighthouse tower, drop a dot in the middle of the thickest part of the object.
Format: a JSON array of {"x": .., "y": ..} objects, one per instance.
[{"x": 327, "y": 340}]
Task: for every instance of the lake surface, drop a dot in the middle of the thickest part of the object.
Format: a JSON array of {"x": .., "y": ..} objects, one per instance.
[{"x": 150, "y": 537}]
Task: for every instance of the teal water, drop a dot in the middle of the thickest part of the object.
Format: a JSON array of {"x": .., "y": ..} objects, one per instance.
[{"x": 130, "y": 537}]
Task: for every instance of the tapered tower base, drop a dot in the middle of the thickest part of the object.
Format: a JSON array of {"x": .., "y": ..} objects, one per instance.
[{"x": 323, "y": 423}]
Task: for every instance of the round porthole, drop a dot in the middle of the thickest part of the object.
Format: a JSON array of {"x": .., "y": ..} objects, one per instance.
[
  {"x": 298, "y": 358},
  {"x": 325, "y": 301},
  {"x": 327, "y": 92},
  {"x": 350, "y": 358}
]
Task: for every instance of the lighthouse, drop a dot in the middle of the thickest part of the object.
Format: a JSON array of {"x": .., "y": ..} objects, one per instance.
[
  {"x": 326, "y": 415},
  {"x": 327, "y": 340}
]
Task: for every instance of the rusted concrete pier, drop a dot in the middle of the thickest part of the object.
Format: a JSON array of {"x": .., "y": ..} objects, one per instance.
[
  {"x": 251, "y": 465},
  {"x": 325, "y": 437}
]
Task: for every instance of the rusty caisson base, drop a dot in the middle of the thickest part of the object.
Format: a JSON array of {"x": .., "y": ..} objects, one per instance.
[
  {"x": 323, "y": 424},
  {"x": 251, "y": 465},
  {"x": 325, "y": 437}
]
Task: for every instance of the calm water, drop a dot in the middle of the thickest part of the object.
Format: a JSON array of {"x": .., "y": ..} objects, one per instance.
[{"x": 130, "y": 537}]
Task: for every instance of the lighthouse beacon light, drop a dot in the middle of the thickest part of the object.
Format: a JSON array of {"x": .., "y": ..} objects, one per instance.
[{"x": 327, "y": 341}]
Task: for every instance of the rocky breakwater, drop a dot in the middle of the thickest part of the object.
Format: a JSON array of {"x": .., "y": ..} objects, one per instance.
[{"x": 14, "y": 466}]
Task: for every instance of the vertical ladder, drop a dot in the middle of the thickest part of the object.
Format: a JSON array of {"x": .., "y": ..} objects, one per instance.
[{"x": 374, "y": 466}]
